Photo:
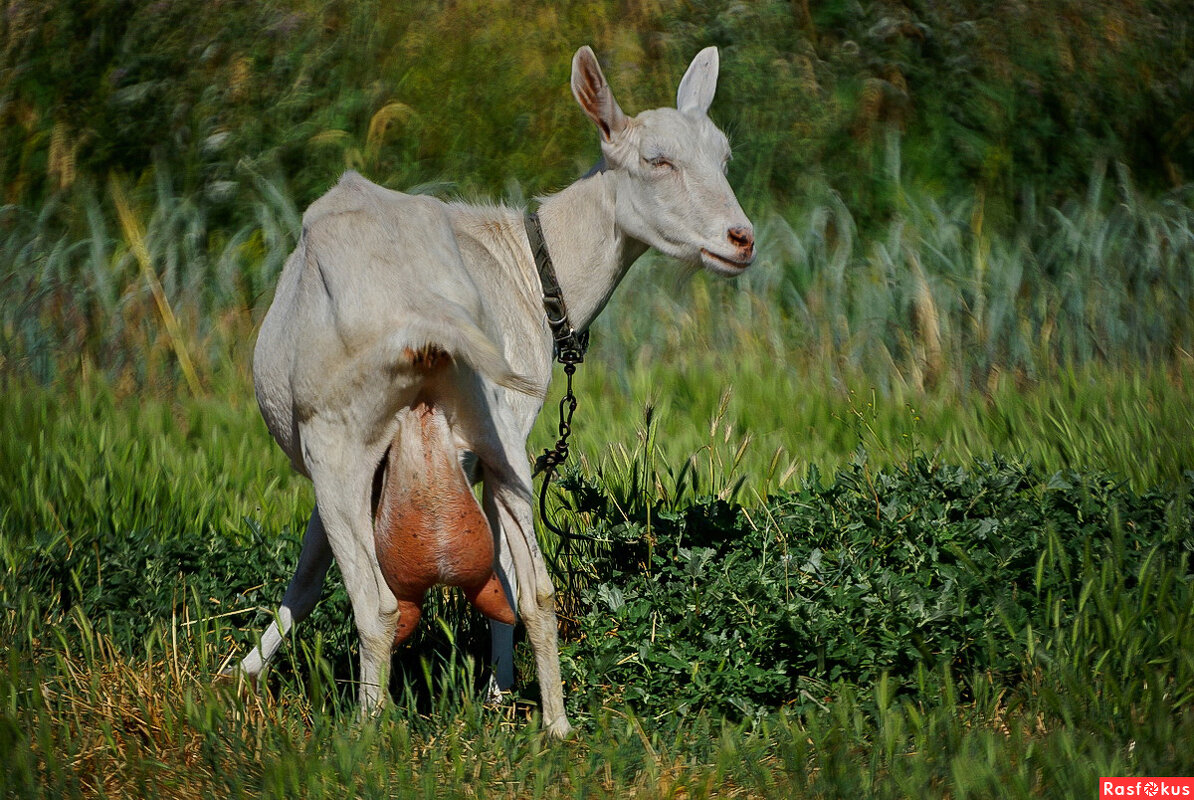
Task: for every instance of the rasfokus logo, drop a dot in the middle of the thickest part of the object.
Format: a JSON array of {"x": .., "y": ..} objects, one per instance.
[{"x": 1146, "y": 787}]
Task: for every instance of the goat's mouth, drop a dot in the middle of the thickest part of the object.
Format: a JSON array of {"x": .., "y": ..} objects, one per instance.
[{"x": 723, "y": 265}]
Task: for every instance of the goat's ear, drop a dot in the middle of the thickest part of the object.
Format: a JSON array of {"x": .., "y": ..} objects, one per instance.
[
  {"x": 695, "y": 94},
  {"x": 594, "y": 95}
]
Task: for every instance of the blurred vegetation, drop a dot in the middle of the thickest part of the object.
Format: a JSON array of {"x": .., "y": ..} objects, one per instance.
[
  {"x": 946, "y": 192},
  {"x": 998, "y": 96}
]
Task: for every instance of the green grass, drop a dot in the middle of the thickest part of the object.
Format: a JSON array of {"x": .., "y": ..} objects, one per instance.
[
  {"x": 143, "y": 538},
  {"x": 74, "y": 462},
  {"x": 142, "y": 283},
  {"x": 738, "y": 417}
]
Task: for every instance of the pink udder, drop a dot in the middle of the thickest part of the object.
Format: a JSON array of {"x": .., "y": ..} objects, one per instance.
[{"x": 428, "y": 527}]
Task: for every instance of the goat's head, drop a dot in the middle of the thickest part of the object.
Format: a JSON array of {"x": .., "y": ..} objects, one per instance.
[{"x": 670, "y": 165}]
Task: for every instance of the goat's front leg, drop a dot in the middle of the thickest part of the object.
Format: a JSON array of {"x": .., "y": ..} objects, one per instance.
[
  {"x": 301, "y": 596},
  {"x": 510, "y": 496}
]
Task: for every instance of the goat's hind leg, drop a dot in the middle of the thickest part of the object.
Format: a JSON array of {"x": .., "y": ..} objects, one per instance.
[
  {"x": 301, "y": 596},
  {"x": 501, "y": 635},
  {"x": 342, "y": 471}
]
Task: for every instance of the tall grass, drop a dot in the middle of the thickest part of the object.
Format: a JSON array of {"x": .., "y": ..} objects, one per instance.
[
  {"x": 136, "y": 281},
  {"x": 152, "y": 725},
  {"x": 937, "y": 298},
  {"x": 934, "y": 300}
]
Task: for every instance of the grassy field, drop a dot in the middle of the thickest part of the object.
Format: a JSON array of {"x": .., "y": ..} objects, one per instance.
[
  {"x": 145, "y": 538},
  {"x": 905, "y": 511},
  {"x": 148, "y": 525}
]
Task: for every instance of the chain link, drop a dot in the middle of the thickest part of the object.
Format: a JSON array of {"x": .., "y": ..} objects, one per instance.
[{"x": 552, "y": 458}]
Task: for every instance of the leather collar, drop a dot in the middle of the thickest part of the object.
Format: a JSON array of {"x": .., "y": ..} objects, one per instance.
[{"x": 570, "y": 344}]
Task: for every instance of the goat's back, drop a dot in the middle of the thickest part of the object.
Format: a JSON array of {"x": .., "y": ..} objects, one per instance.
[{"x": 376, "y": 275}]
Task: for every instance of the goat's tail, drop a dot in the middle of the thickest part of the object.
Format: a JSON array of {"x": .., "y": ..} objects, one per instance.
[{"x": 421, "y": 345}]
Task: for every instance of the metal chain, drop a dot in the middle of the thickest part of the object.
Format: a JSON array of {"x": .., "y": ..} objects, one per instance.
[
  {"x": 569, "y": 347},
  {"x": 561, "y": 563},
  {"x": 554, "y": 457}
]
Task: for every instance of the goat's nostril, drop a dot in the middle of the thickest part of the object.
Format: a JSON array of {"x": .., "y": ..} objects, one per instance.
[{"x": 741, "y": 237}]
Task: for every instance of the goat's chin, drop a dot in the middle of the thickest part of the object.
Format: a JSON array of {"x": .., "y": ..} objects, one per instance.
[{"x": 720, "y": 265}]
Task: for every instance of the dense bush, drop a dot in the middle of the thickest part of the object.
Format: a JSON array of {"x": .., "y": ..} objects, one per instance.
[{"x": 908, "y": 571}]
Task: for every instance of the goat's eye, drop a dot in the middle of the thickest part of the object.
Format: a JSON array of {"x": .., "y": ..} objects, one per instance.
[{"x": 659, "y": 162}]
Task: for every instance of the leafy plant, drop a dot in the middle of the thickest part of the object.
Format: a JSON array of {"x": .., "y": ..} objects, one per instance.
[{"x": 879, "y": 575}]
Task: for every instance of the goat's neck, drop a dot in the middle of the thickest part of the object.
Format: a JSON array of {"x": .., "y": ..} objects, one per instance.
[{"x": 590, "y": 252}]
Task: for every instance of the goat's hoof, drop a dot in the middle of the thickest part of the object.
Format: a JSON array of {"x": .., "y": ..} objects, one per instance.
[
  {"x": 248, "y": 675},
  {"x": 232, "y": 674},
  {"x": 495, "y": 696},
  {"x": 559, "y": 729}
]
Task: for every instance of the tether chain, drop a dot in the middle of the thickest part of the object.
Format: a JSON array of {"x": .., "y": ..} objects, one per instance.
[
  {"x": 570, "y": 347},
  {"x": 556, "y": 456}
]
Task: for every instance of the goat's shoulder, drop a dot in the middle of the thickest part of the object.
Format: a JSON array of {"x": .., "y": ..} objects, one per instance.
[
  {"x": 359, "y": 201},
  {"x": 489, "y": 227}
]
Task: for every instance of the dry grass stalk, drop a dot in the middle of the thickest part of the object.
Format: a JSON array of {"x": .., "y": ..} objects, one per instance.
[{"x": 135, "y": 235}]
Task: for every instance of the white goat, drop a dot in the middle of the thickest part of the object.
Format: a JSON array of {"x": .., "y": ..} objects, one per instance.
[{"x": 394, "y": 307}]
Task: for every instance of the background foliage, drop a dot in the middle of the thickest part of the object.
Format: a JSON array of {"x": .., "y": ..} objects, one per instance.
[
  {"x": 944, "y": 191},
  {"x": 994, "y": 94}
]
